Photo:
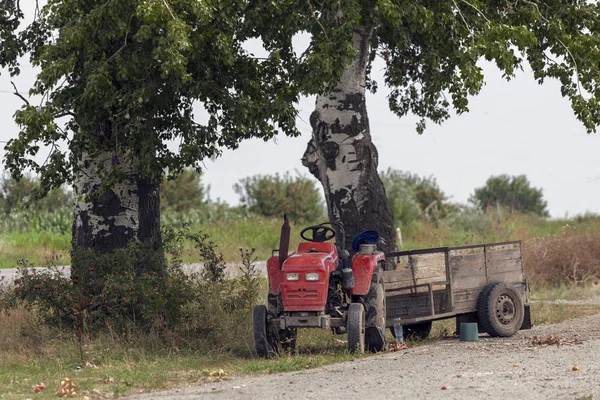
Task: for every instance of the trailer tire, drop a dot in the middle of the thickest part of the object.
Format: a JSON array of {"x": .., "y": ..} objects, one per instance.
[
  {"x": 356, "y": 328},
  {"x": 262, "y": 340},
  {"x": 500, "y": 309},
  {"x": 418, "y": 331},
  {"x": 375, "y": 310}
]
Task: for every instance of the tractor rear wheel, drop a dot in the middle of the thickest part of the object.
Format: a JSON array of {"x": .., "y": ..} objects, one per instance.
[
  {"x": 263, "y": 343},
  {"x": 500, "y": 309},
  {"x": 375, "y": 314},
  {"x": 356, "y": 328}
]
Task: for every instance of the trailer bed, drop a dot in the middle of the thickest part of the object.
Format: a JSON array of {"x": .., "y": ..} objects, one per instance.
[{"x": 432, "y": 284}]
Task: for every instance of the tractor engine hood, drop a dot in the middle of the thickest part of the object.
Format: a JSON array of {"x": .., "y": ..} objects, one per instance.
[{"x": 305, "y": 277}]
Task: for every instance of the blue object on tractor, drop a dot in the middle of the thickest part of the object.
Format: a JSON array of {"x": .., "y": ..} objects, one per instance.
[{"x": 364, "y": 237}]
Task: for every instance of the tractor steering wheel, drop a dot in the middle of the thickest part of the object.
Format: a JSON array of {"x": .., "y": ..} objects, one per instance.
[{"x": 319, "y": 234}]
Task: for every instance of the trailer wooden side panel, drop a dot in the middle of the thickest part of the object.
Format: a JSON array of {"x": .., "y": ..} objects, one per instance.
[
  {"x": 504, "y": 263},
  {"x": 418, "y": 269},
  {"x": 407, "y": 306}
]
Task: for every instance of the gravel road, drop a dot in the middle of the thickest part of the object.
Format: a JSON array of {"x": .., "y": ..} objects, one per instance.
[{"x": 509, "y": 368}]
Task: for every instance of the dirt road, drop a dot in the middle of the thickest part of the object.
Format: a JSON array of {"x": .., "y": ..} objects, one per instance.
[{"x": 514, "y": 368}]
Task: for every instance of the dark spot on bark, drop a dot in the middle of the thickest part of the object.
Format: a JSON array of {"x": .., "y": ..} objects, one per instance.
[
  {"x": 314, "y": 119},
  {"x": 330, "y": 150},
  {"x": 149, "y": 213},
  {"x": 343, "y": 159},
  {"x": 86, "y": 164},
  {"x": 107, "y": 205}
]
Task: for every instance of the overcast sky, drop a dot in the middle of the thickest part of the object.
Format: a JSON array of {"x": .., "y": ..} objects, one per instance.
[{"x": 514, "y": 128}]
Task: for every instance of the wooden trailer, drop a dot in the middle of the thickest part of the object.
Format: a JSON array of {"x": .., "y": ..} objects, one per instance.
[{"x": 482, "y": 283}]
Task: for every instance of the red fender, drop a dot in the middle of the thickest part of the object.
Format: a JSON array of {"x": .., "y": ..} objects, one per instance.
[
  {"x": 275, "y": 275},
  {"x": 363, "y": 267}
]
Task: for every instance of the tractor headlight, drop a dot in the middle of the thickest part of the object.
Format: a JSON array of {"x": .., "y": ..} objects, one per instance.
[
  {"x": 312, "y": 276},
  {"x": 292, "y": 276}
]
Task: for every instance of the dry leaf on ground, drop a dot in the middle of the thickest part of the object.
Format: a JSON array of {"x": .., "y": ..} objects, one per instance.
[
  {"x": 67, "y": 388},
  {"x": 397, "y": 346}
]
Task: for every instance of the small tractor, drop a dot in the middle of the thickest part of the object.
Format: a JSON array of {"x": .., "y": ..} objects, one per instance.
[{"x": 318, "y": 286}]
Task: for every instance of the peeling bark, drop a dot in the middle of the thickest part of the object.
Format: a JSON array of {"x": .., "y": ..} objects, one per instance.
[
  {"x": 343, "y": 158},
  {"x": 105, "y": 221}
]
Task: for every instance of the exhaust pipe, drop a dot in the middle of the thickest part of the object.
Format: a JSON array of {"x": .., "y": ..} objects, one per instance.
[{"x": 284, "y": 240}]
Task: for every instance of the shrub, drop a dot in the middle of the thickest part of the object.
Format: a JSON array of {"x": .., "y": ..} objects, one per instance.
[
  {"x": 23, "y": 194},
  {"x": 411, "y": 196},
  {"x": 141, "y": 290},
  {"x": 183, "y": 193},
  {"x": 468, "y": 219},
  {"x": 563, "y": 260},
  {"x": 275, "y": 195},
  {"x": 514, "y": 193}
]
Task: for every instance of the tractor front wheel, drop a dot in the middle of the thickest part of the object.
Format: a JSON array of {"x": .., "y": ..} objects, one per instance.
[
  {"x": 356, "y": 328},
  {"x": 263, "y": 343}
]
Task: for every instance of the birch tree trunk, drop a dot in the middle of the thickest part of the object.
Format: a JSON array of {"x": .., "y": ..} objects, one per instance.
[
  {"x": 111, "y": 219},
  {"x": 343, "y": 158}
]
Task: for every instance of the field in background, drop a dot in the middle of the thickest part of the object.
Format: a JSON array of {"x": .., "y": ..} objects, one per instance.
[{"x": 556, "y": 252}]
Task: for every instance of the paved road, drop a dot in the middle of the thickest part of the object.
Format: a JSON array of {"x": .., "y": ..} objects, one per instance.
[
  {"x": 513, "y": 368},
  {"x": 8, "y": 275}
]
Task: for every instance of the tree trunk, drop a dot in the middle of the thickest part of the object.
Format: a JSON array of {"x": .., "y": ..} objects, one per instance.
[
  {"x": 108, "y": 220},
  {"x": 343, "y": 158}
]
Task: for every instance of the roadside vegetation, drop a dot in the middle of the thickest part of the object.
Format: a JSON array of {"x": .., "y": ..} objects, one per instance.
[{"x": 45, "y": 336}]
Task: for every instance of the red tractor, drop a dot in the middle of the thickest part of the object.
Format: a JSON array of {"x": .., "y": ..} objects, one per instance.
[{"x": 318, "y": 287}]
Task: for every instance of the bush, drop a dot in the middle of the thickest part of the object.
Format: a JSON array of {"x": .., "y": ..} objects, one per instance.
[
  {"x": 468, "y": 219},
  {"x": 183, "y": 193},
  {"x": 141, "y": 290},
  {"x": 514, "y": 193},
  {"x": 563, "y": 260},
  {"x": 274, "y": 195},
  {"x": 18, "y": 195},
  {"x": 411, "y": 196}
]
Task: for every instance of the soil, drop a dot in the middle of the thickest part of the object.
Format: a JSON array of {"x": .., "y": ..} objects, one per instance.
[{"x": 560, "y": 361}]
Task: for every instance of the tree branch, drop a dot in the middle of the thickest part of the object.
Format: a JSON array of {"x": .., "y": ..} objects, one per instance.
[{"x": 19, "y": 95}]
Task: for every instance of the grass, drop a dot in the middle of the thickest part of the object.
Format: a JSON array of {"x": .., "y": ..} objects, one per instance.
[{"x": 31, "y": 353}]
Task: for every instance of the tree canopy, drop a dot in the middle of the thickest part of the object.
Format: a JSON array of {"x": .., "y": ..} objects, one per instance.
[
  {"x": 137, "y": 67},
  {"x": 512, "y": 192}
]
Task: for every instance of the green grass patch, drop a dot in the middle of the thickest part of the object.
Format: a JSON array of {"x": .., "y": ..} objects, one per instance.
[{"x": 36, "y": 247}]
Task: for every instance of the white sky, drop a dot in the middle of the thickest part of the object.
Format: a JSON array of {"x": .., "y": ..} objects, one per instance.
[{"x": 514, "y": 128}]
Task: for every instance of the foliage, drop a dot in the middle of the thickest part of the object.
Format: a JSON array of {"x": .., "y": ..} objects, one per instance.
[
  {"x": 182, "y": 193},
  {"x": 140, "y": 65},
  {"x": 133, "y": 287},
  {"x": 401, "y": 198},
  {"x": 468, "y": 219},
  {"x": 564, "y": 259},
  {"x": 16, "y": 195},
  {"x": 411, "y": 196},
  {"x": 126, "y": 75},
  {"x": 514, "y": 193},
  {"x": 275, "y": 195},
  {"x": 122, "y": 290}
]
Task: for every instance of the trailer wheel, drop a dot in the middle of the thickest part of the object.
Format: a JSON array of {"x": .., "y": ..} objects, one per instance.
[
  {"x": 356, "y": 328},
  {"x": 263, "y": 342},
  {"x": 500, "y": 309},
  {"x": 375, "y": 314},
  {"x": 418, "y": 331}
]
